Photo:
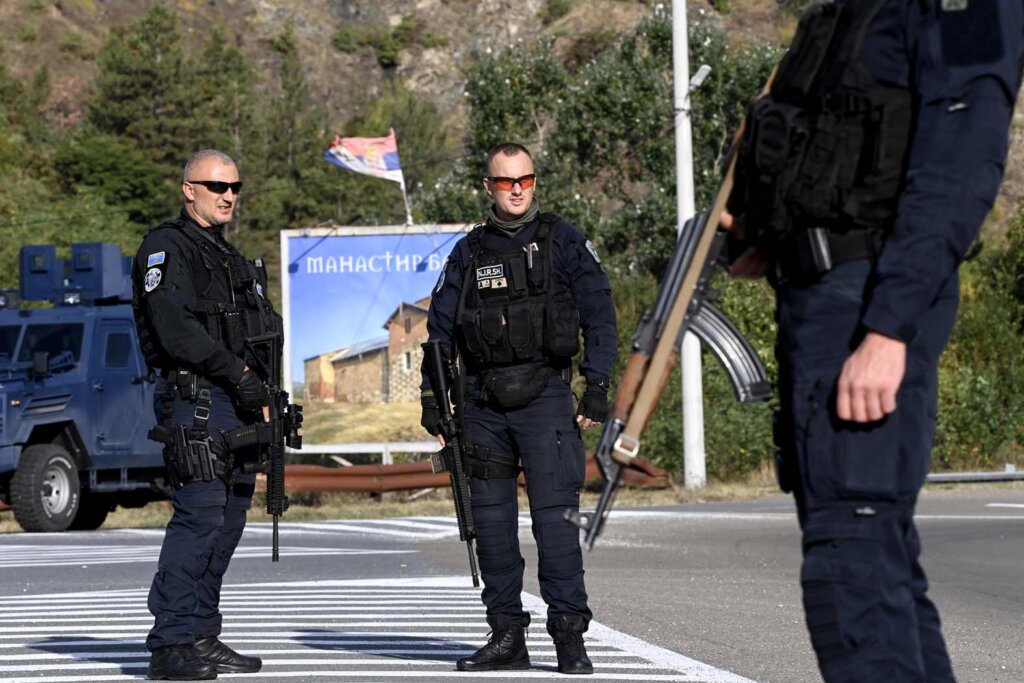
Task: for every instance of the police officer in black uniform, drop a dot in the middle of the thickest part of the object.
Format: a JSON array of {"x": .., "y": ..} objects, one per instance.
[
  {"x": 196, "y": 300},
  {"x": 511, "y": 300},
  {"x": 862, "y": 181}
]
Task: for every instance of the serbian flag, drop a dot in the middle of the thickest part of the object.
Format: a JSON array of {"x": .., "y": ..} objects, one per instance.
[{"x": 372, "y": 156}]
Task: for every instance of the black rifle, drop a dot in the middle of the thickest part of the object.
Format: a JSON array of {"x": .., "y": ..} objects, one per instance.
[
  {"x": 285, "y": 420},
  {"x": 443, "y": 374}
]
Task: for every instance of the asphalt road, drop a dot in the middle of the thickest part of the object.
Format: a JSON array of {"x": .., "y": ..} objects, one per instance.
[{"x": 703, "y": 593}]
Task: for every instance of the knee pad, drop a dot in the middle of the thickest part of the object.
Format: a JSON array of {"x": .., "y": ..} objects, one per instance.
[
  {"x": 556, "y": 538},
  {"x": 843, "y": 593}
]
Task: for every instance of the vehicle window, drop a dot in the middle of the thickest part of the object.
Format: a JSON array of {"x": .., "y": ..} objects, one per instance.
[
  {"x": 117, "y": 350},
  {"x": 53, "y": 339},
  {"x": 8, "y": 338}
]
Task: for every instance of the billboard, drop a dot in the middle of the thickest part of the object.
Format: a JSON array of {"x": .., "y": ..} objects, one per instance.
[{"x": 355, "y": 302}]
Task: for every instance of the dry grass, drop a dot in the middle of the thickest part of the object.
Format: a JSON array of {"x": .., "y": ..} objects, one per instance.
[
  {"x": 328, "y": 423},
  {"x": 311, "y": 507}
]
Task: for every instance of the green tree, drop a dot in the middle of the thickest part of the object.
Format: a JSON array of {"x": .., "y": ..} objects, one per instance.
[{"x": 141, "y": 90}]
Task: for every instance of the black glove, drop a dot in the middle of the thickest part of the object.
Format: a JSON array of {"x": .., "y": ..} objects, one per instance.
[
  {"x": 594, "y": 404},
  {"x": 249, "y": 391},
  {"x": 431, "y": 416}
]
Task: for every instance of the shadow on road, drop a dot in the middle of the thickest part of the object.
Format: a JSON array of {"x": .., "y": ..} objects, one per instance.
[{"x": 131, "y": 657}]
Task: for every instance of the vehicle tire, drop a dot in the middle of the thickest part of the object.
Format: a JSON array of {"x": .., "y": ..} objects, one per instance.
[
  {"x": 45, "y": 489},
  {"x": 92, "y": 512}
]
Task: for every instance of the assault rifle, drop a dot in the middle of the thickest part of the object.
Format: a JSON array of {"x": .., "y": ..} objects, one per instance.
[
  {"x": 442, "y": 374},
  {"x": 682, "y": 304},
  {"x": 284, "y": 425}
]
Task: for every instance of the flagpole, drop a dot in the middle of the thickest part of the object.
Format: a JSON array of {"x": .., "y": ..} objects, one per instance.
[{"x": 405, "y": 198}]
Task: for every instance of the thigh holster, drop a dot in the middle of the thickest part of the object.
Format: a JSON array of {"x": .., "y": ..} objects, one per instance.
[{"x": 487, "y": 464}]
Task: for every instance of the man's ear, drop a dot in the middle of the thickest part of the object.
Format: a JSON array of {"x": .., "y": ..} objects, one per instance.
[{"x": 189, "y": 191}]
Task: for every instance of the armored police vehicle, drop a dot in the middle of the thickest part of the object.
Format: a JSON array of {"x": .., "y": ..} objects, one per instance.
[{"x": 75, "y": 403}]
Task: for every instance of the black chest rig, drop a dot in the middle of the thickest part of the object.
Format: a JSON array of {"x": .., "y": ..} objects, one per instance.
[
  {"x": 231, "y": 304},
  {"x": 827, "y": 148},
  {"x": 513, "y": 310}
]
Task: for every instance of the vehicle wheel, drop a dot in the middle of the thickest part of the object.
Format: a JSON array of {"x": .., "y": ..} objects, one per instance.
[
  {"x": 45, "y": 489},
  {"x": 92, "y": 512}
]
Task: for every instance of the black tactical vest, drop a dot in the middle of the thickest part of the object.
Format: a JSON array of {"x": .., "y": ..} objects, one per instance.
[
  {"x": 828, "y": 146},
  {"x": 232, "y": 305},
  {"x": 512, "y": 309}
]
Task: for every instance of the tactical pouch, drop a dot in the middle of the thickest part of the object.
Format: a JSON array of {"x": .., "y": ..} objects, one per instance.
[
  {"x": 520, "y": 333},
  {"x": 515, "y": 386},
  {"x": 561, "y": 330},
  {"x": 189, "y": 459},
  {"x": 485, "y": 463},
  {"x": 187, "y": 384}
]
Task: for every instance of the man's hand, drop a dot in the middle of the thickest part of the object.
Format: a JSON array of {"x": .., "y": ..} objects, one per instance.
[
  {"x": 430, "y": 418},
  {"x": 751, "y": 264},
  {"x": 593, "y": 407},
  {"x": 870, "y": 378},
  {"x": 249, "y": 391}
]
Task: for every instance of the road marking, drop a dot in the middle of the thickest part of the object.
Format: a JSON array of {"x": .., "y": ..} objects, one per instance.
[
  {"x": 400, "y": 629},
  {"x": 1005, "y": 505},
  {"x": 84, "y": 555}
]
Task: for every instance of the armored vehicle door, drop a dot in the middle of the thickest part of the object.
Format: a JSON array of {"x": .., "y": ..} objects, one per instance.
[{"x": 121, "y": 415}]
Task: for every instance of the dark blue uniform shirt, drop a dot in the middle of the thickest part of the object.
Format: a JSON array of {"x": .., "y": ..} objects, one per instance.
[
  {"x": 576, "y": 264},
  {"x": 962, "y": 61}
]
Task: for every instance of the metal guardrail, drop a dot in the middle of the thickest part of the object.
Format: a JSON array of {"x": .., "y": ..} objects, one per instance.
[{"x": 1009, "y": 473}]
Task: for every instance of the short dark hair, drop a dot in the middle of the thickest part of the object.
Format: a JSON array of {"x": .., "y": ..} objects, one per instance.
[
  {"x": 509, "y": 149},
  {"x": 201, "y": 156}
]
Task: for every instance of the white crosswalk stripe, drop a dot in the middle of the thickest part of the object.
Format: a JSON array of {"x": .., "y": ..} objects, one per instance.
[
  {"x": 369, "y": 630},
  {"x": 86, "y": 555}
]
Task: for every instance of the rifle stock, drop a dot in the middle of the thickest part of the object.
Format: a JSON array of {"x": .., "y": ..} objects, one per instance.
[{"x": 452, "y": 457}]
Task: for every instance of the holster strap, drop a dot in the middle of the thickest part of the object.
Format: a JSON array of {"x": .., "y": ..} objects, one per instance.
[{"x": 487, "y": 464}]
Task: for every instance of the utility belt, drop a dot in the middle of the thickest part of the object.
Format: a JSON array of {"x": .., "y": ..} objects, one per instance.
[
  {"x": 804, "y": 255},
  {"x": 192, "y": 454},
  {"x": 514, "y": 386}
]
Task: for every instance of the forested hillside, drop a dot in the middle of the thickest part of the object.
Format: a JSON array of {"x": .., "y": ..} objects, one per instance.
[{"x": 102, "y": 100}]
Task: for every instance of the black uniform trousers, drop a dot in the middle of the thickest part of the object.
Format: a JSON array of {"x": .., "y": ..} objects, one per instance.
[
  {"x": 201, "y": 538},
  {"x": 856, "y": 486},
  {"x": 545, "y": 438}
]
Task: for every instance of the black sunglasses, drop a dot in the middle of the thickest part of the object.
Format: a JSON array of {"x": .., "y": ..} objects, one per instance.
[{"x": 218, "y": 186}]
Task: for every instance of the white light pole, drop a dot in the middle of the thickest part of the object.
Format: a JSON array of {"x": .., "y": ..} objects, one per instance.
[{"x": 694, "y": 467}]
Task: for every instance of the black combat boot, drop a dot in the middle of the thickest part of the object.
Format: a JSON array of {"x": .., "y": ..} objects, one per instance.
[
  {"x": 179, "y": 663},
  {"x": 506, "y": 648},
  {"x": 225, "y": 660},
  {"x": 567, "y": 632}
]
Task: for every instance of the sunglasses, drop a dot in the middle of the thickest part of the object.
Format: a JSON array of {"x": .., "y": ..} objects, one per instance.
[
  {"x": 218, "y": 186},
  {"x": 505, "y": 184}
]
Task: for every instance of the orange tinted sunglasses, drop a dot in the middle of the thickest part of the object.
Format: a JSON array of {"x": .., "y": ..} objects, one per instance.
[{"x": 505, "y": 184}]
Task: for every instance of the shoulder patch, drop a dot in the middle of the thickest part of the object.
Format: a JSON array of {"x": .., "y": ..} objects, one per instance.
[
  {"x": 153, "y": 278},
  {"x": 440, "y": 279},
  {"x": 593, "y": 251},
  {"x": 155, "y": 259}
]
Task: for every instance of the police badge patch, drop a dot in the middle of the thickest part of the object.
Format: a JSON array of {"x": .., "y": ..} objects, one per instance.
[
  {"x": 593, "y": 251},
  {"x": 153, "y": 278}
]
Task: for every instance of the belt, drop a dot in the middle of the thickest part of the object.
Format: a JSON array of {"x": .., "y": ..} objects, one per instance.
[{"x": 807, "y": 254}]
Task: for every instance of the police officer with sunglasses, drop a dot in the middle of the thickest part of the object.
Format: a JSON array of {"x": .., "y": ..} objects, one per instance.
[
  {"x": 863, "y": 178},
  {"x": 196, "y": 300},
  {"x": 511, "y": 301}
]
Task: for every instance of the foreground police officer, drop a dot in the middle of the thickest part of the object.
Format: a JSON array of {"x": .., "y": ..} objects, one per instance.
[
  {"x": 511, "y": 298},
  {"x": 863, "y": 179},
  {"x": 196, "y": 300}
]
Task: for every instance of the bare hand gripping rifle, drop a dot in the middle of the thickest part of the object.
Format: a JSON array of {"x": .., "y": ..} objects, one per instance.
[
  {"x": 442, "y": 373},
  {"x": 681, "y": 305}
]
